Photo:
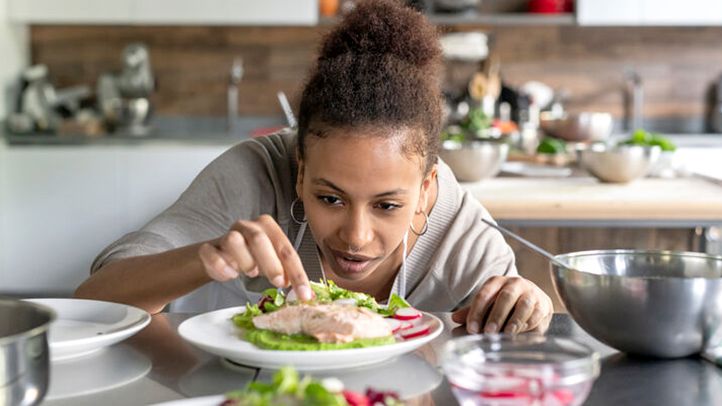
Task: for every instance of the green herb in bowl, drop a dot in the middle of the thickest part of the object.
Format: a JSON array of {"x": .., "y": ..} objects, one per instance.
[
  {"x": 649, "y": 139},
  {"x": 476, "y": 121},
  {"x": 551, "y": 146}
]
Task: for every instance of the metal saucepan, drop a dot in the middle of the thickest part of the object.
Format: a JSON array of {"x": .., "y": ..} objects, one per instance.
[{"x": 24, "y": 355}]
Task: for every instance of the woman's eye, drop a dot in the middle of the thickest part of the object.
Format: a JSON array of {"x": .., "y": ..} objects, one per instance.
[
  {"x": 330, "y": 200},
  {"x": 388, "y": 206}
]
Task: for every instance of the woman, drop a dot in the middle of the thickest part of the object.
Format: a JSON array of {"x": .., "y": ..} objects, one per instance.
[{"x": 358, "y": 195}]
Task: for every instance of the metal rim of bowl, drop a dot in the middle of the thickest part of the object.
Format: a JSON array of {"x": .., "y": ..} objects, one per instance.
[
  {"x": 451, "y": 145},
  {"x": 33, "y": 331},
  {"x": 592, "y": 358},
  {"x": 601, "y": 147},
  {"x": 564, "y": 257}
]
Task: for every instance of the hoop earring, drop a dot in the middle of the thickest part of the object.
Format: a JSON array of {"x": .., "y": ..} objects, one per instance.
[
  {"x": 425, "y": 228},
  {"x": 293, "y": 215}
]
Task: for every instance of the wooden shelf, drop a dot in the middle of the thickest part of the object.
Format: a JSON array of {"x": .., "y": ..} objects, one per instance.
[
  {"x": 493, "y": 19},
  {"x": 503, "y": 19}
]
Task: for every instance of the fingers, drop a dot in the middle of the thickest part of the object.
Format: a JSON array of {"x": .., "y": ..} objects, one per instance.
[
  {"x": 290, "y": 261},
  {"x": 459, "y": 316},
  {"x": 541, "y": 317},
  {"x": 234, "y": 248},
  {"x": 214, "y": 263},
  {"x": 482, "y": 302},
  {"x": 505, "y": 302},
  {"x": 255, "y": 248},
  {"x": 262, "y": 250},
  {"x": 524, "y": 308},
  {"x": 508, "y": 304}
]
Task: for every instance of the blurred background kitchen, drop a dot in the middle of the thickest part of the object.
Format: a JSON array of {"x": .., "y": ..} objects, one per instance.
[{"x": 109, "y": 110}]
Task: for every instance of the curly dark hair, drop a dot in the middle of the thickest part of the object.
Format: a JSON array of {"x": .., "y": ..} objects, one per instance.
[{"x": 379, "y": 68}]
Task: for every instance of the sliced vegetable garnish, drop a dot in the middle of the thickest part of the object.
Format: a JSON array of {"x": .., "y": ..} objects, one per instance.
[
  {"x": 407, "y": 313},
  {"x": 394, "y": 324},
  {"x": 416, "y": 331}
]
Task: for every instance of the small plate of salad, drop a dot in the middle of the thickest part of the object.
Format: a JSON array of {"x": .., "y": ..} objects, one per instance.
[
  {"x": 289, "y": 388},
  {"x": 231, "y": 333}
]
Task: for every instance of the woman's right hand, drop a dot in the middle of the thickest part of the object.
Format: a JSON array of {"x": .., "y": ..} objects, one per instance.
[{"x": 254, "y": 248}]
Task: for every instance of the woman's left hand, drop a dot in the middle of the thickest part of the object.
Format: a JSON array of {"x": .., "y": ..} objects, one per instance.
[{"x": 507, "y": 304}]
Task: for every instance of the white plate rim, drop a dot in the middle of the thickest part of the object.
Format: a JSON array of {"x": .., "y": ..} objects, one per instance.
[
  {"x": 210, "y": 400},
  {"x": 142, "y": 319}
]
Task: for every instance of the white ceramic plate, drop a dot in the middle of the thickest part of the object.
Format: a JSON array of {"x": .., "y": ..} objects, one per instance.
[
  {"x": 214, "y": 332},
  {"x": 85, "y": 326},
  {"x": 80, "y": 376},
  {"x": 199, "y": 401}
]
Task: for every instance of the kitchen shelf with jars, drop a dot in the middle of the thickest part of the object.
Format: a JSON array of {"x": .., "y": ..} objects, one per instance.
[{"x": 473, "y": 12}]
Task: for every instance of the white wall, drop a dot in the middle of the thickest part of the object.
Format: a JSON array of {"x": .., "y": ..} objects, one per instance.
[
  {"x": 61, "y": 205},
  {"x": 15, "y": 52}
]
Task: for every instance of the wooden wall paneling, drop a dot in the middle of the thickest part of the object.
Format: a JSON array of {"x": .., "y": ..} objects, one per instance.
[{"x": 678, "y": 64}]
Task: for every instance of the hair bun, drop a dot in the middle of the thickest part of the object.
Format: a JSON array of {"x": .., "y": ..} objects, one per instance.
[{"x": 384, "y": 27}]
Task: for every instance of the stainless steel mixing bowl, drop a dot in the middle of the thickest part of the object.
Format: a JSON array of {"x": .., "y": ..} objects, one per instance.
[
  {"x": 653, "y": 303},
  {"x": 619, "y": 164},
  {"x": 24, "y": 369},
  {"x": 472, "y": 161},
  {"x": 580, "y": 127}
]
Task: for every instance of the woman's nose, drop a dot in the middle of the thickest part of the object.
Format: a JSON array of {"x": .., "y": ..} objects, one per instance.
[{"x": 357, "y": 230}]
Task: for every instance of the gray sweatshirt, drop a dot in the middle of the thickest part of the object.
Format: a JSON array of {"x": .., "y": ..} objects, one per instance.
[{"x": 446, "y": 266}]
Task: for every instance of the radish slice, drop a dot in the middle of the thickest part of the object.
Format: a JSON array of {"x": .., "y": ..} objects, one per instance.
[
  {"x": 394, "y": 325},
  {"x": 417, "y": 331},
  {"x": 346, "y": 301},
  {"x": 405, "y": 325},
  {"x": 407, "y": 313}
]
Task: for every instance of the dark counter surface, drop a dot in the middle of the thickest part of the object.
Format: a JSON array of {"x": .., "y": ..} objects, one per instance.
[
  {"x": 156, "y": 365},
  {"x": 208, "y": 130}
]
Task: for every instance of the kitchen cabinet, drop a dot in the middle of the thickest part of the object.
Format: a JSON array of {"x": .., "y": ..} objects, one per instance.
[
  {"x": 166, "y": 12},
  {"x": 649, "y": 12},
  {"x": 61, "y": 205}
]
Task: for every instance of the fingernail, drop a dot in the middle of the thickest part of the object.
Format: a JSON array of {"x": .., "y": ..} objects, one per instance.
[
  {"x": 474, "y": 327},
  {"x": 278, "y": 281},
  {"x": 229, "y": 272},
  {"x": 304, "y": 292},
  {"x": 514, "y": 328},
  {"x": 491, "y": 328}
]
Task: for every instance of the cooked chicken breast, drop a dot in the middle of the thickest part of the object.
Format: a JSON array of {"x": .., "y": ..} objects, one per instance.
[{"x": 328, "y": 323}]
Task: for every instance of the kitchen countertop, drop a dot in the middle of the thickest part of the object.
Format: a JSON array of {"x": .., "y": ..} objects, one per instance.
[
  {"x": 676, "y": 202},
  {"x": 164, "y": 129},
  {"x": 156, "y": 365}
]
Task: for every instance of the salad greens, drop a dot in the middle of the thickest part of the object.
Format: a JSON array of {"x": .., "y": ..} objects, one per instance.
[
  {"x": 331, "y": 292},
  {"x": 272, "y": 340},
  {"x": 289, "y": 388},
  {"x": 272, "y": 299}
]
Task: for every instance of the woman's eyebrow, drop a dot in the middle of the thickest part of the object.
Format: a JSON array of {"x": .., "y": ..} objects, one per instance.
[{"x": 325, "y": 182}]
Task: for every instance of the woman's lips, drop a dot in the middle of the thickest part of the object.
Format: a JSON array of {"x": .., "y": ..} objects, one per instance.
[{"x": 351, "y": 263}]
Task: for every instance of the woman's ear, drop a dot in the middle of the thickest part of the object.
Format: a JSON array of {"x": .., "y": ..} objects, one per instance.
[{"x": 426, "y": 187}]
